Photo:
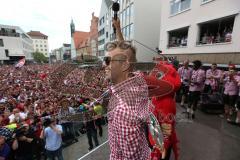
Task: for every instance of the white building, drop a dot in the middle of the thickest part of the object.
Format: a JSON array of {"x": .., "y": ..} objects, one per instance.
[
  {"x": 14, "y": 44},
  {"x": 103, "y": 26},
  {"x": 40, "y": 42},
  {"x": 140, "y": 22},
  {"x": 207, "y": 30},
  {"x": 62, "y": 53}
]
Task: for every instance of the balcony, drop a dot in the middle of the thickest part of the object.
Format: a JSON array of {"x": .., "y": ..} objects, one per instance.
[
  {"x": 217, "y": 31},
  {"x": 178, "y": 38}
]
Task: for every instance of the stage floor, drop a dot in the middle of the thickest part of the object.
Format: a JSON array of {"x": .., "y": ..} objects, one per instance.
[{"x": 208, "y": 137}]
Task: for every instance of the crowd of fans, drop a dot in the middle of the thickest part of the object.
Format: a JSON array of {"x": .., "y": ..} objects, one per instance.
[
  {"x": 32, "y": 93},
  {"x": 217, "y": 37}
]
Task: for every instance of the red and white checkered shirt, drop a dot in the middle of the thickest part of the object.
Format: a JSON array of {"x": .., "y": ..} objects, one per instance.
[{"x": 128, "y": 109}]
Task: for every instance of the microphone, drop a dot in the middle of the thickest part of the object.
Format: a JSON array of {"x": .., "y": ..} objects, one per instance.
[
  {"x": 104, "y": 95},
  {"x": 115, "y": 8}
]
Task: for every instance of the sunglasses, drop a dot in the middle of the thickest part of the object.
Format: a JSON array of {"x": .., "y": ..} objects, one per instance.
[
  {"x": 118, "y": 44},
  {"x": 107, "y": 60}
]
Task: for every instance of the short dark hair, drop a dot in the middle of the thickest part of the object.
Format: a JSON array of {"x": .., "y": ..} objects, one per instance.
[
  {"x": 214, "y": 64},
  {"x": 197, "y": 63}
]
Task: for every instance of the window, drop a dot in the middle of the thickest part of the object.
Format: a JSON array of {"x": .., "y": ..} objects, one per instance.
[
  {"x": 178, "y": 6},
  {"x": 41, "y": 49},
  {"x": 45, "y": 49},
  {"x": 40, "y": 45},
  {"x": 101, "y": 32},
  {"x": 36, "y": 45},
  {"x": 6, "y": 52},
  {"x": 45, "y": 45},
  {"x": 106, "y": 34},
  {"x": 127, "y": 12},
  {"x": 216, "y": 31},
  {"x": 178, "y": 37},
  {"x": 131, "y": 10},
  {"x": 101, "y": 21},
  {"x": 131, "y": 31},
  {"x": 1, "y": 43},
  {"x": 107, "y": 16},
  {"x": 123, "y": 17},
  {"x": 9, "y": 32},
  {"x": 101, "y": 42}
]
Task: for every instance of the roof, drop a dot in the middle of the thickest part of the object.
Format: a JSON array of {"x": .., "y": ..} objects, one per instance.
[
  {"x": 80, "y": 37},
  {"x": 37, "y": 34}
]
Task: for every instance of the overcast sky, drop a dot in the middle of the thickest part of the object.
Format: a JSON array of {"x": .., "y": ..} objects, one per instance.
[{"x": 51, "y": 17}]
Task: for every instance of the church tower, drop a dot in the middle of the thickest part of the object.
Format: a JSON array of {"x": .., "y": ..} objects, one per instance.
[
  {"x": 72, "y": 26},
  {"x": 73, "y": 48}
]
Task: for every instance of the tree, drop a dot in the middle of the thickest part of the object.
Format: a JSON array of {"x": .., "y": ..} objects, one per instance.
[{"x": 39, "y": 57}]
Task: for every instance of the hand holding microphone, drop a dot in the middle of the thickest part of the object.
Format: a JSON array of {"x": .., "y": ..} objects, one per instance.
[{"x": 115, "y": 8}]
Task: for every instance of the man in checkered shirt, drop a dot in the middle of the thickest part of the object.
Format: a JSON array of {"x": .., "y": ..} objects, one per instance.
[{"x": 128, "y": 106}]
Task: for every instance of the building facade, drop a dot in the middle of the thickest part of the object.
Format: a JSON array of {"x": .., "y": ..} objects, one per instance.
[
  {"x": 103, "y": 26},
  {"x": 207, "y": 30},
  {"x": 139, "y": 24},
  {"x": 61, "y": 54},
  {"x": 14, "y": 44},
  {"x": 40, "y": 42},
  {"x": 84, "y": 43},
  {"x": 66, "y": 50},
  {"x": 93, "y": 36}
]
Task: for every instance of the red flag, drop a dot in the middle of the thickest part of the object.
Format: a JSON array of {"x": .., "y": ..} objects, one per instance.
[{"x": 20, "y": 63}]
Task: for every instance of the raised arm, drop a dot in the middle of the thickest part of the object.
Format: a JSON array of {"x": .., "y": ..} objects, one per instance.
[{"x": 116, "y": 24}]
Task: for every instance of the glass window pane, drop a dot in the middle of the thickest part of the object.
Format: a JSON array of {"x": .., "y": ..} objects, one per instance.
[
  {"x": 131, "y": 10},
  {"x": 127, "y": 12},
  {"x": 131, "y": 31},
  {"x": 185, "y": 4},
  {"x": 175, "y": 6},
  {"x": 123, "y": 18}
]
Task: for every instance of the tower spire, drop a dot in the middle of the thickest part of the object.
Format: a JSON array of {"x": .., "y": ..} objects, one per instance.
[{"x": 72, "y": 26}]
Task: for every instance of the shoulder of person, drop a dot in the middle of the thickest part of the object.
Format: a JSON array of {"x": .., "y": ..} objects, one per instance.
[
  {"x": 59, "y": 126},
  {"x": 179, "y": 69},
  {"x": 202, "y": 71},
  {"x": 47, "y": 129}
]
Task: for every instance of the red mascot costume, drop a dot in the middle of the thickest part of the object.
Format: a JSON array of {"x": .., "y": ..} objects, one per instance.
[{"x": 165, "y": 112}]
